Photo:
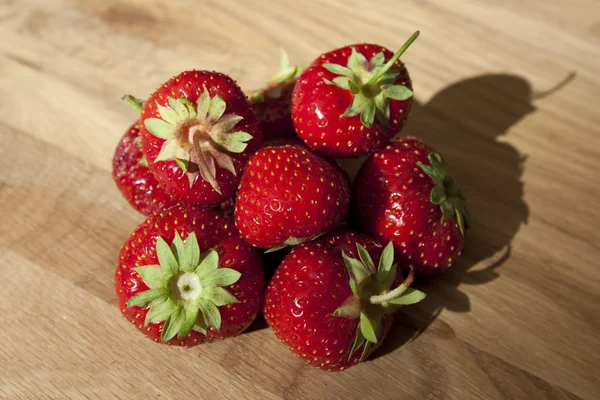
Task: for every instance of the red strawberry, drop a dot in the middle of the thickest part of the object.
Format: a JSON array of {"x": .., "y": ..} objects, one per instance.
[
  {"x": 272, "y": 104},
  {"x": 134, "y": 179},
  {"x": 185, "y": 276},
  {"x": 288, "y": 195},
  {"x": 352, "y": 100},
  {"x": 198, "y": 131},
  {"x": 331, "y": 305},
  {"x": 404, "y": 193}
]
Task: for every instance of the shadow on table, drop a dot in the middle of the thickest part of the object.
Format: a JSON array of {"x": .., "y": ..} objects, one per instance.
[{"x": 464, "y": 123}]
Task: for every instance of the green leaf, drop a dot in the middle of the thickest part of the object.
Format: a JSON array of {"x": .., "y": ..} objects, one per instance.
[
  {"x": 460, "y": 221},
  {"x": 154, "y": 276},
  {"x": 168, "y": 151},
  {"x": 447, "y": 210},
  {"x": 191, "y": 316},
  {"x": 342, "y": 82},
  {"x": 385, "y": 262},
  {"x": 210, "y": 313},
  {"x": 203, "y": 104},
  {"x": 216, "y": 109},
  {"x": 365, "y": 257},
  {"x": 177, "y": 249},
  {"x": 377, "y": 59},
  {"x": 438, "y": 195},
  {"x": 190, "y": 108},
  {"x": 273, "y": 249},
  {"x": 183, "y": 164},
  {"x": 142, "y": 299},
  {"x": 235, "y": 142},
  {"x": 356, "y": 269},
  {"x": 224, "y": 161},
  {"x": 143, "y": 161},
  {"x": 226, "y": 124},
  {"x": 338, "y": 69},
  {"x": 221, "y": 297},
  {"x": 190, "y": 256},
  {"x": 200, "y": 325},
  {"x": 349, "y": 309},
  {"x": 160, "y": 128},
  {"x": 365, "y": 351},
  {"x": 356, "y": 62},
  {"x": 179, "y": 108},
  {"x": 167, "y": 114},
  {"x": 353, "y": 287},
  {"x": 220, "y": 277},
  {"x": 398, "y": 92},
  {"x": 410, "y": 296},
  {"x": 367, "y": 116},
  {"x": 354, "y": 88},
  {"x": 386, "y": 281},
  {"x": 284, "y": 60},
  {"x": 165, "y": 256},
  {"x": 359, "y": 341},
  {"x": 160, "y": 309},
  {"x": 367, "y": 328},
  {"x": 209, "y": 263},
  {"x": 172, "y": 325}
]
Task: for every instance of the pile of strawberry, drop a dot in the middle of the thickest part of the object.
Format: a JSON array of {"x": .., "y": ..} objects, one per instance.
[{"x": 224, "y": 177}]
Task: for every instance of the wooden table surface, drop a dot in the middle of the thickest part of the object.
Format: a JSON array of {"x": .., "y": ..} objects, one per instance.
[{"x": 507, "y": 90}]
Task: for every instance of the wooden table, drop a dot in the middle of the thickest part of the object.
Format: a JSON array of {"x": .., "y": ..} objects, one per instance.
[{"x": 507, "y": 90}]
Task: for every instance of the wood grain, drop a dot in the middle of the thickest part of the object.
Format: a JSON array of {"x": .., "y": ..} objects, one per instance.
[{"x": 508, "y": 91}]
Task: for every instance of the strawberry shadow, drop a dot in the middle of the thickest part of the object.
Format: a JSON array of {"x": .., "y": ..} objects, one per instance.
[{"x": 466, "y": 123}]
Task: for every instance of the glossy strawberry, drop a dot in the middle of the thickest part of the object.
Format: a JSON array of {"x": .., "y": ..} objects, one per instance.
[
  {"x": 351, "y": 101},
  {"x": 133, "y": 178},
  {"x": 332, "y": 301},
  {"x": 198, "y": 131},
  {"x": 272, "y": 104},
  {"x": 185, "y": 276},
  {"x": 288, "y": 195},
  {"x": 405, "y": 194}
]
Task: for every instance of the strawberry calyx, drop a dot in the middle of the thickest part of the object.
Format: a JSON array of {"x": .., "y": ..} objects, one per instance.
[
  {"x": 445, "y": 192},
  {"x": 198, "y": 136},
  {"x": 185, "y": 289},
  {"x": 294, "y": 241},
  {"x": 286, "y": 76},
  {"x": 373, "y": 296},
  {"x": 371, "y": 83}
]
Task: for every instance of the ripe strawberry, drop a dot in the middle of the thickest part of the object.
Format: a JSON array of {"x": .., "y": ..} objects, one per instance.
[
  {"x": 133, "y": 178},
  {"x": 185, "y": 276},
  {"x": 350, "y": 101},
  {"x": 272, "y": 104},
  {"x": 331, "y": 305},
  {"x": 405, "y": 194},
  {"x": 198, "y": 131},
  {"x": 288, "y": 195}
]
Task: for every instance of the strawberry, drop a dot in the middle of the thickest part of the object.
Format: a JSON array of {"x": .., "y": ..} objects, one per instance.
[
  {"x": 198, "y": 131},
  {"x": 185, "y": 276},
  {"x": 133, "y": 178},
  {"x": 405, "y": 194},
  {"x": 350, "y": 101},
  {"x": 332, "y": 301},
  {"x": 288, "y": 195},
  {"x": 272, "y": 104}
]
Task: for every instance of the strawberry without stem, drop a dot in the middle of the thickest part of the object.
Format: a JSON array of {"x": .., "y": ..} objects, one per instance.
[
  {"x": 272, "y": 104},
  {"x": 332, "y": 301},
  {"x": 185, "y": 276},
  {"x": 133, "y": 178},
  {"x": 405, "y": 194},
  {"x": 288, "y": 195},
  {"x": 198, "y": 131},
  {"x": 352, "y": 100}
]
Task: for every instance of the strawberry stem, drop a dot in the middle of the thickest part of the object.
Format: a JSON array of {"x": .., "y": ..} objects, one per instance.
[
  {"x": 134, "y": 102},
  {"x": 392, "y": 294},
  {"x": 392, "y": 60}
]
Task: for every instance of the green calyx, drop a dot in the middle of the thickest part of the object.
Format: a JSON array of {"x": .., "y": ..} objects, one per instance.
[
  {"x": 371, "y": 83},
  {"x": 293, "y": 241},
  {"x": 287, "y": 75},
  {"x": 185, "y": 289},
  {"x": 198, "y": 136},
  {"x": 445, "y": 192},
  {"x": 373, "y": 296}
]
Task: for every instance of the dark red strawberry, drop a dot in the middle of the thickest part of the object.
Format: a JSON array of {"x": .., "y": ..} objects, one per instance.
[
  {"x": 198, "y": 131},
  {"x": 332, "y": 301},
  {"x": 133, "y": 178},
  {"x": 185, "y": 276},
  {"x": 272, "y": 104},
  {"x": 352, "y": 100},
  {"x": 288, "y": 195},
  {"x": 405, "y": 194}
]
